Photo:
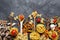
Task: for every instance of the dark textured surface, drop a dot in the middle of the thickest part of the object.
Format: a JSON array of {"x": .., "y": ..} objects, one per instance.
[{"x": 49, "y": 7}]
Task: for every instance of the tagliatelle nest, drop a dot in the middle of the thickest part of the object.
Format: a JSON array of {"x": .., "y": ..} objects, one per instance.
[
  {"x": 40, "y": 28},
  {"x": 28, "y": 26},
  {"x": 18, "y": 37},
  {"x": 21, "y": 37},
  {"x": 34, "y": 36}
]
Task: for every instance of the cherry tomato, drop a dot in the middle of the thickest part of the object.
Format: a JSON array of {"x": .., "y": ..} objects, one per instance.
[
  {"x": 38, "y": 20},
  {"x": 54, "y": 35},
  {"x": 13, "y": 32},
  {"x": 21, "y": 17},
  {"x": 55, "y": 20}
]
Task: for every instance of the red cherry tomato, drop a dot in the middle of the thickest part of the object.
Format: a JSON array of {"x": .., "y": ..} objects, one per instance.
[
  {"x": 21, "y": 17},
  {"x": 38, "y": 20},
  {"x": 13, "y": 32},
  {"x": 55, "y": 20},
  {"x": 54, "y": 35}
]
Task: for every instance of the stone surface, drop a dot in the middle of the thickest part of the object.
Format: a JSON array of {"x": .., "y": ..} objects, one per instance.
[{"x": 46, "y": 7}]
